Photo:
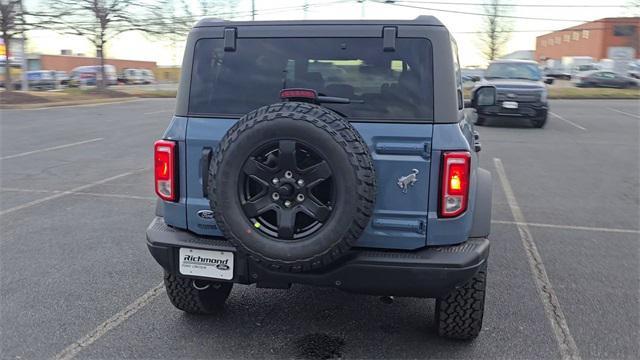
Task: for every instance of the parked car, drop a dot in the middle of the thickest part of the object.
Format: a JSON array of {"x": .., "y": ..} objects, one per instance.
[
  {"x": 42, "y": 79},
  {"x": 147, "y": 76},
  {"x": 89, "y": 75},
  {"x": 471, "y": 74},
  {"x": 586, "y": 67},
  {"x": 132, "y": 76},
  {"x": 605, "y": 78},
  {"x": 556, "y": 73},
  {"x": 470, "y": 77},
  {"x": 369, "y": 182},
  {"x": 634, "y": 70},
  {"x": 62, "y": 78},
  {"x": 521, "y": 92}
]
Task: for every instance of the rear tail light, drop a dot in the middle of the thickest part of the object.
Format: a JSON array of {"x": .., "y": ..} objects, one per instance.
[
  {"x": 454, "y": 191},
  {"x": 165, "y": 160}
]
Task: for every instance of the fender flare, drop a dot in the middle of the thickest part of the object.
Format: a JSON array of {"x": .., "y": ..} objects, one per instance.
[{"x": 482, "y": 210}]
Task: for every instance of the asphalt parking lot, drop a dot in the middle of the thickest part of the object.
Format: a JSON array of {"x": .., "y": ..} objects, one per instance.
[{"x": 76, "y": 279}]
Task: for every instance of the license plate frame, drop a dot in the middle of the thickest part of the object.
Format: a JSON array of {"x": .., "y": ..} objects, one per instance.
[{"x": 212, "y": 264}]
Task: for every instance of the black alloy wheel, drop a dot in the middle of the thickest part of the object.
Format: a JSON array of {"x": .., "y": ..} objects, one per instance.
[{"x": 286, "y": 189}]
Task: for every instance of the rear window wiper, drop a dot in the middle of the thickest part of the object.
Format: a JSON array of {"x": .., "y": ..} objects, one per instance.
[{"x": 337, "y": 100}]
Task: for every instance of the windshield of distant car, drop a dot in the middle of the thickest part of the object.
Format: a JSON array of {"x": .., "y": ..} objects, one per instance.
[
  {"x": 380, "y": 84},
  {"x": 513, "y": 70}
]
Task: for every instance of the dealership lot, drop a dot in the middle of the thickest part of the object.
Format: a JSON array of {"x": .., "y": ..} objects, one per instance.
[{"x": 76, "y": 279}]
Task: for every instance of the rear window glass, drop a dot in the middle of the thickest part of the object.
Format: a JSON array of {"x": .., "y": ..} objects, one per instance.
[{"x": 383, "y": 85}]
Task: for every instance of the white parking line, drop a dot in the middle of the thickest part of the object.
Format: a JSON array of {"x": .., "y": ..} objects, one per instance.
[
  {"x": 157, "y": 112},
  {"x": 50, "y": 149},
  {"x": 68, "y": 192},
  {"x": 72, "y": 350},
  {"x": 119, "y": 196},
  {"x": 568, "y": 121},
  {"x": 625, "y": 113},
  {"x": 569, "y": 227},
  {"x": 566, "y": 344}
]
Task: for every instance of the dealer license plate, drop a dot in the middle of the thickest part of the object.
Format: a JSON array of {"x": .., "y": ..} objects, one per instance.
[
  {"x": 510, "y": 105},
  {"x": 206, "y": 263}
]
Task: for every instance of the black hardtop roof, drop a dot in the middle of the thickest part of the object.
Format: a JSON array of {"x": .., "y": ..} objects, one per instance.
[{"x": 425, "y": 20}]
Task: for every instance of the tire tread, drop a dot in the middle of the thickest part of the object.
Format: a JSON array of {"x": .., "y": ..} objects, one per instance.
[
  {"x": 188, "y": 299},
  {"x": 459, "y": 314}
]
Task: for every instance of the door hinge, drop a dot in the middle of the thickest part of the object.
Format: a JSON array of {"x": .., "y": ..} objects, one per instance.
[
  {"x": 427, "y": 150},
  {"x": 422, "y": 228}
]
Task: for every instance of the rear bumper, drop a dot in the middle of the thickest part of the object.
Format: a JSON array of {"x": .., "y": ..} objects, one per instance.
[
  {"x": 429, "y": 272},
  {"x": 524, "y": 110}
]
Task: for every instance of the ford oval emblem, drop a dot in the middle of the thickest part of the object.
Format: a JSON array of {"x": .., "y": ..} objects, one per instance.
[
  {"x": 205, "y": 214},
  {"x": 222, "y": 267}
]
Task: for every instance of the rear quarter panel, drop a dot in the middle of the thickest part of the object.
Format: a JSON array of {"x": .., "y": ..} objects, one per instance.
[{"x": 441, "y": 231}]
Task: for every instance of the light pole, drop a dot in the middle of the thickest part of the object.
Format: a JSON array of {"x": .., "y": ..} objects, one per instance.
[
  {"x": 24, "y": 81},
  {"x": 361, "y": 8},
  {"x": 253, "y": 10},
  {"x": 305, "y": 9}
]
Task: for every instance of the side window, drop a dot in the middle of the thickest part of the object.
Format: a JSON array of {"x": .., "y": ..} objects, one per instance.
[{"x": 458, "y": 74}]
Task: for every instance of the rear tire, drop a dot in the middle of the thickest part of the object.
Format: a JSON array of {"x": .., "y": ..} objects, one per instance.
[
  {"x": 208, "y": 298},
  {"x": 459, "y": 314}
]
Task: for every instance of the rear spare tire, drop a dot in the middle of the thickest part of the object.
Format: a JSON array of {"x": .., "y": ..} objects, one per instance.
[{"x": 292, "y": 185}]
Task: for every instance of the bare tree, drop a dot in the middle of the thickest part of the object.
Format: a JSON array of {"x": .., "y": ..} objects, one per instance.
[
  {"x": 99, "y": 21},
  {"x": 181, "y": 14},
  {"x": 496, "y": 29},
  {"x": 12, "y": 26},
  {"x": 213, "y": 7},
  {"x": 172, "y": 19}
]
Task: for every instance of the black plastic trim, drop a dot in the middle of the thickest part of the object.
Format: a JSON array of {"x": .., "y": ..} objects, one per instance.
[
  {"x": 205, "y": 161},
  {"x": 229, "y": 39},
  {"x": 389, "y": 35},
  {"x": 427, "y": 272}
]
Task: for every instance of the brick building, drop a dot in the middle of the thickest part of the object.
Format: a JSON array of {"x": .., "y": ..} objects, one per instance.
[
  {"x": 596, "y": 39},
  {"x": 168, "y": 73},
  {"x": 69, "y": 62}
]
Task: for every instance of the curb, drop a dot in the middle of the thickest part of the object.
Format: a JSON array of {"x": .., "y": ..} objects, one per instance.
[{"x": 46, "y": 105}]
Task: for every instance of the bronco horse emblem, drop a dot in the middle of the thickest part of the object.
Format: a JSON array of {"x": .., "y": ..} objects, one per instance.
[{"x": 409, "y": 180}]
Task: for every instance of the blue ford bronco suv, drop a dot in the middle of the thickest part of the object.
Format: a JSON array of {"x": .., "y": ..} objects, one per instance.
[{"x": 327, "y": 153}]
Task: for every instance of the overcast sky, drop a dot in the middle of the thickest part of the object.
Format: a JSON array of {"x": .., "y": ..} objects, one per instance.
[{"x": 138, "y": 47}]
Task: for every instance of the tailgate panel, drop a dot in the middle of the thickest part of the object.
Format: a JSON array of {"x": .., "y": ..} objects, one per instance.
[{"x": 399, "y": 219}]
